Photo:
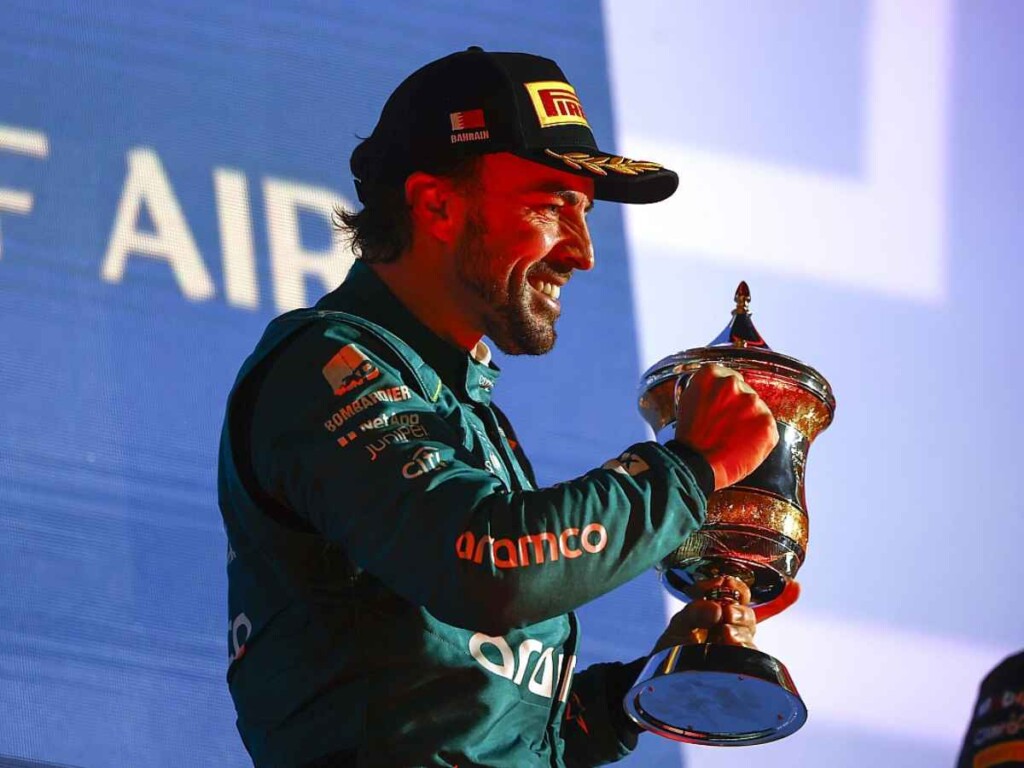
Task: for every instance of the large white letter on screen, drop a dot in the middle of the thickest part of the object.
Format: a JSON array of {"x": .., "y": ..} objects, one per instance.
[
  {"x": 241, "y": 286},
  {"x": 147, "y": 184},
  {"x": 290, "y": 263},
  {"x": 20, "y": 142}
]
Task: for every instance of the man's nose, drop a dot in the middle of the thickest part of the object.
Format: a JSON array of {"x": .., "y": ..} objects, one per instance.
[{"x": 579, "y": 247}]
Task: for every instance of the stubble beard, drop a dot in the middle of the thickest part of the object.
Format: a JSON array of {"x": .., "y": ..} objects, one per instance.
[{"x": 510, "y": 318}]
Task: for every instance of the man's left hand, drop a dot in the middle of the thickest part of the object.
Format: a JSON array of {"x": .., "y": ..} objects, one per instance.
[{"x": 723, "y": 622}]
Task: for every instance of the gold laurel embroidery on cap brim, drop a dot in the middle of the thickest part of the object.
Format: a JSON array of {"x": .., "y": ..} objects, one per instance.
[{"x": 601, "y": 164}]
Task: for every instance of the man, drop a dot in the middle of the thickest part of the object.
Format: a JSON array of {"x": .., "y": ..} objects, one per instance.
[
  {"x": 400, "y": 592},
  {"x": 995, "y": 736}
]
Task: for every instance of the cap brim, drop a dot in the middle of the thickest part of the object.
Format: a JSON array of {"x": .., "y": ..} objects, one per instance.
[{"x": 615, "y": 178}]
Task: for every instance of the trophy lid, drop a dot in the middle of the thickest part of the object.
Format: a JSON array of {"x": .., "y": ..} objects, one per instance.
[
  {"x": 740, "y": 332},
  {"x": 739, "y": 346}
]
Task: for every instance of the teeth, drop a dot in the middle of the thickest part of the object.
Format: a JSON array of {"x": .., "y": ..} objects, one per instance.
[{"x": 549, "y": 289}]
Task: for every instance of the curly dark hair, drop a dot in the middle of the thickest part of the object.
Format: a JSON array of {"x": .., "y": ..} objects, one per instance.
[{"x": 382, "y": 230}]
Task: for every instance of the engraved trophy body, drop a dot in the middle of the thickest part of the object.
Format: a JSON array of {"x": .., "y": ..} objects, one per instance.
[{"x": 755, "y": 530}]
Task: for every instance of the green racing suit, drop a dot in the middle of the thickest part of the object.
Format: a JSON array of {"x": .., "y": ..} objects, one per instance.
[{"x": 400, "y": 591}]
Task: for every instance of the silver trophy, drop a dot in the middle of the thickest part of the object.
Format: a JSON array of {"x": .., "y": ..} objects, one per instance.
[{"x": 756, "y": 531}]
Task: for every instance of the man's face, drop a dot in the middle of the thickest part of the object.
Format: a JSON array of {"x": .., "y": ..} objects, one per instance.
[{"x": 524, "y": 235}]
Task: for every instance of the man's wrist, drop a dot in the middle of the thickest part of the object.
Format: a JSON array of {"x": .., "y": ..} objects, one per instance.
[
  {"x": 697, "y": 464},
  {"x": 623, "y": 679}
]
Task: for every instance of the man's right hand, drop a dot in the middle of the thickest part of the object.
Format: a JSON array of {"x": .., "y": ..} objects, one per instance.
[{"x": 721, "y": 417}]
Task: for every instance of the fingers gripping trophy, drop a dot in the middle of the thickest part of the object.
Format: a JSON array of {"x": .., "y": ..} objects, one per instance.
[{"x": 753, "y": 414}]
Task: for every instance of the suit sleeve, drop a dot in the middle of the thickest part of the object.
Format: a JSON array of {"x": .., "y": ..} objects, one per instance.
[
  {"x": 596, "y": 729},
  {"x": 348, "y": 443}
]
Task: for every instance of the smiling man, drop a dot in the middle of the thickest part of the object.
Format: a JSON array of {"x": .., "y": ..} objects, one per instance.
[{"x": 400, "y": 590}]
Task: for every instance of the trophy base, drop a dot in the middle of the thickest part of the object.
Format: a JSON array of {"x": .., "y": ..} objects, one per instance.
[{"x": 720, "y": 695}]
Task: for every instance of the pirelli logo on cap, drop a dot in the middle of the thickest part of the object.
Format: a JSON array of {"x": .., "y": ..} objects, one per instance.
[{"x": 556, "y": 103}]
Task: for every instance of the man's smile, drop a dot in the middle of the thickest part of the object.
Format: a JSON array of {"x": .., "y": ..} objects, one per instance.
[{"x": 549, "y": 290}]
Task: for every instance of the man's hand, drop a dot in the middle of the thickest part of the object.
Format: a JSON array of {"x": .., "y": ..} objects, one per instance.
[
  {"x": 721, "y": 417},
  {"x": 713, "y": 621}
]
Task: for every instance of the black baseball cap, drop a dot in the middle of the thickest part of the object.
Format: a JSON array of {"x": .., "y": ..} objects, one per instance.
[{"x": 475, "y": 102}]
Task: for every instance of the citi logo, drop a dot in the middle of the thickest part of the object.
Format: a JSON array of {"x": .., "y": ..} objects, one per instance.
[
  {"x": 520, "y": 666},
  {"x": 547, "y": 546},
  {"x": 424, "y": 461}
]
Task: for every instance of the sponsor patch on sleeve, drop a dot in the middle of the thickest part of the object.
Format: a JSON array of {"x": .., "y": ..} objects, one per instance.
[
  {"x": 627, "y": 464},
  {"x": 424, "y": 461},
  {"x": 349, "y": 370},
  {"x": 402, "y": 433},
  {"x": 341, "y": 417},
  {"x": 532, "y": 549}
]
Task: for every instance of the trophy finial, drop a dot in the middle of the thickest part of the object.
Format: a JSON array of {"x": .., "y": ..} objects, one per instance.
[
  {"x": 740, "y": 332},
  {"x": 742, "y": 298}
]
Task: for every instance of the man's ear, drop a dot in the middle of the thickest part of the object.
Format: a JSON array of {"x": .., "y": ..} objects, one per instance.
[{"x": 435, "y": 206}]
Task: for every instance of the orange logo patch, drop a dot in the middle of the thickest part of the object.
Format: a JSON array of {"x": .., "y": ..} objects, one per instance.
[
  {"x": 349, "y": 369},
  {"x": 1007, "y": 753},
  {"x": 556, "y": 104}
]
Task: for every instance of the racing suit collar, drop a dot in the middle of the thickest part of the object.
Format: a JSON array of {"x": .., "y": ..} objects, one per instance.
[{"x": 471, "y": 375}]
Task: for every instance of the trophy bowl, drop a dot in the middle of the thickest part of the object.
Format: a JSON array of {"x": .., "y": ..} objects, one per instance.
[{"x": 755, "y": 530}]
